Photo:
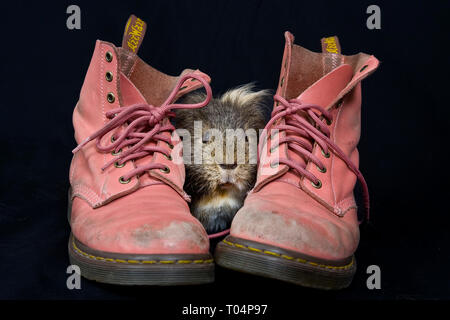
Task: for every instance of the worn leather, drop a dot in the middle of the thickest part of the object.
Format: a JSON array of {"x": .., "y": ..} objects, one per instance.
[
  {"x": 148, "y": 215},
  {"x": 284, "y": 209}
]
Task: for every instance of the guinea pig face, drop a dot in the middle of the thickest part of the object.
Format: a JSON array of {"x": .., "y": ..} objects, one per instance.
[
  {"x": 225, "y": 134},
  {"x": 229, "y": 155}
]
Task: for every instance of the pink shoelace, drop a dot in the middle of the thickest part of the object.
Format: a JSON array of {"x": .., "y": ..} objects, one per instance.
[
  {"x": 311, "y": 130},
  {"x": 144, "y": 124}
]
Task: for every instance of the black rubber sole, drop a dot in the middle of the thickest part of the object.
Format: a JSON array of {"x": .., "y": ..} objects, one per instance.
[
  {"x": 277, "y": 263},
  {"x": 134, "y": 269}
]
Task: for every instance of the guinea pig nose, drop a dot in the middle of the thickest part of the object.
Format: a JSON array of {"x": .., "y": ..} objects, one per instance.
[{"x": 228, "y": 166}]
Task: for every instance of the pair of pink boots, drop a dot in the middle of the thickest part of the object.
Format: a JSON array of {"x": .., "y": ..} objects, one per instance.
[{"x": 129, "y": 215}]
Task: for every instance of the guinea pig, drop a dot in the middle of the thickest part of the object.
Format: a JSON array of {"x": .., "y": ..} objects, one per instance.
[{"x": 229, "y": 126}]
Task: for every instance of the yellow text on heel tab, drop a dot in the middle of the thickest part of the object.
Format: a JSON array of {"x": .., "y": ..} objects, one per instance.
[
  {"x": 331, "y": 44},
  {"x": 134, "y": 33}
]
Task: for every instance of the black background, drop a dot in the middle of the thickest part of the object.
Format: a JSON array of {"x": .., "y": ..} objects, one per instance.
[{"x": 235, "y": 42}]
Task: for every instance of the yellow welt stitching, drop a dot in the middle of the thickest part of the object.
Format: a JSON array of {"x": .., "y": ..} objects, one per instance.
[
  {"x": 287, "y": 257},
  {"x": 139, "y": 261},
  {"x": 272, "y": 253},
  {"x": 132, "y": 261},
  {"x": 184, "y": 261}
]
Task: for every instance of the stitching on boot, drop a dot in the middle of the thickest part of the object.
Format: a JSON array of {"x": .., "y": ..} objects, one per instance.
[
  {"x": 90, "y": 256},
  {"x": 283, "y": 256}
]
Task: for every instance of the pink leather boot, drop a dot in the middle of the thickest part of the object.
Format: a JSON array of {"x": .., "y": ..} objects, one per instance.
[
  {"x": 299, "y": 223},
  {"x": 129, "y": 215}
]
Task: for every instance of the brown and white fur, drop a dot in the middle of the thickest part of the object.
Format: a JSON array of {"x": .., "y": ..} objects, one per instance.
[{"x": 217, "y": 189}]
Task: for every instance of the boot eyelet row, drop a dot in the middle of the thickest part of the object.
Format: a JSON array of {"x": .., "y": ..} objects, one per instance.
[
  {"x": 109, "y": 56},
  {"x": 166, "y": 170},
  {"x": 109, "y": 76},
  {"x": 318, "y": 185},
  {"x": 326, "y": 155},
  {"x": 117, "y": 165},
  {"x": 110, "y": 97},
  {"x": 116, "y": 153},
  {"x": 123, "y": 181}
]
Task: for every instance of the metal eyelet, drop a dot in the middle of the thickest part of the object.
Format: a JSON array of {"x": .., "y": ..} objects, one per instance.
[
  {"x": 274, "y": 165},
  {"x": 108, "y": 56},
  {"x": 116, "y": 153},
  {"x": 169, "y": 157},
  {"x": 318, "y": 185},
  {"x": 109, "y": 76},
  {"x": 165, "y": 170},
  {"x": 122, "y": 181},
  {"x": 171, "y": 146},
  {"x": 363, "y": 68},
  {"x": 329, "y": 122},
  {"x": 282, "y": 82},
  {"x": 113, "y": 139},
  {"x": 322, "y": 170},
  {"x": 110, "y": 97},
  {"x": 326, "y": 155},
  {"x": 117, "y": 165}
]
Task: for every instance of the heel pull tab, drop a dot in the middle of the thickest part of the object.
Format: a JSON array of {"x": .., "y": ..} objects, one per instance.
[
  {"x": 134, "y": 34},
  {"x": 331, "y": 52}
]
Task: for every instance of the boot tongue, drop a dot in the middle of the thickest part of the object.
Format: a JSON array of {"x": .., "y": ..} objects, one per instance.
[
  {"x": 325, "y": 90},
  {"x": 336, "y": 75},
  {"x": 321, "y": 93}
]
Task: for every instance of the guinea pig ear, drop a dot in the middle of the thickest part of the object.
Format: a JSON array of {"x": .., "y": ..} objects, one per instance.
[{"x": 246, "y": 97}]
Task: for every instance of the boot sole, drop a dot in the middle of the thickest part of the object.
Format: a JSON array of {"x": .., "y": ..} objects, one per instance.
[
  {"x": 281, "y": 264},
  {"x": 138, "y": 269}
]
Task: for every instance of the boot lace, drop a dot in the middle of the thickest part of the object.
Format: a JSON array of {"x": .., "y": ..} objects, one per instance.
[
  {"x": 143, "y": 124},
  {"x": 307, "y": 122}
]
